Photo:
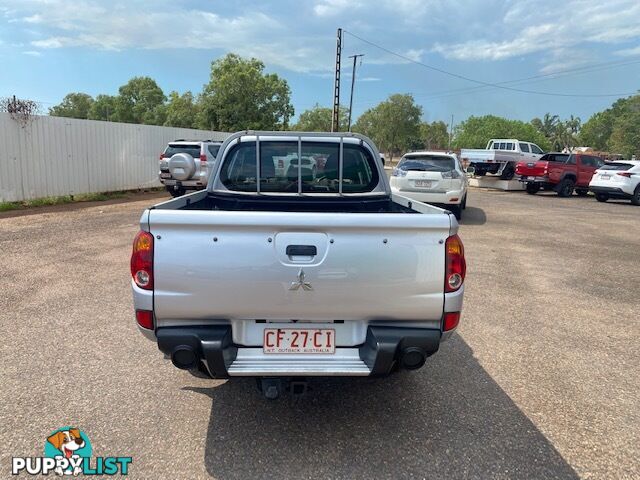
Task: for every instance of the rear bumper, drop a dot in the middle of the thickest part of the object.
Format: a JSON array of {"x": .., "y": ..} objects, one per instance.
[
  {"x": 532, "y": 179},
  {"x": 450, "y": 197},
  {"x": 384, "y": 349},
  {"x": 611, "y": 191}
]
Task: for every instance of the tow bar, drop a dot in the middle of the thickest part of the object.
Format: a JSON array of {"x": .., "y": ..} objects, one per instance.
[{"x": 273, "y": 388}]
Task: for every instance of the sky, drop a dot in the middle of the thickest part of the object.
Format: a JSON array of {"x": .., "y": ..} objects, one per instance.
[{"x": 583, "y": 54}]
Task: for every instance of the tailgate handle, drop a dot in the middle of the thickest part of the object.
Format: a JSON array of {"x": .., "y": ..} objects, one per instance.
[{"x": 302, "y": 250}]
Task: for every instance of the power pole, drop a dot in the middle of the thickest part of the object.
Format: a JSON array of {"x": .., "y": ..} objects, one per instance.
[
  {"x": 450, "y": 131},
  {"x": 353, "y": 81},
  {"x": 335, "y": 119}
]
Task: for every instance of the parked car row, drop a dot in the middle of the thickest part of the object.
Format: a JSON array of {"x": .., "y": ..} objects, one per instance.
[{"x": 581, "y": 172}]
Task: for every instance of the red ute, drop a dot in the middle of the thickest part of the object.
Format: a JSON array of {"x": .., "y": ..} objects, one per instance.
[{"x": 562, "y": 172}]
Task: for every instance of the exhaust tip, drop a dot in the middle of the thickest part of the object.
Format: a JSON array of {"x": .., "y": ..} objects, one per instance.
[
  {"x": 412, "y": 358},
  {"x": 184, "y": 357}
]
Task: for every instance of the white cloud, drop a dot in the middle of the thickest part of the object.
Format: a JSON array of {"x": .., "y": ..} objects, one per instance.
[
  {"x": 548, "y": 27},
  {"x": 32, "y": 53},
  {"x": 629, "y": 52},
  {"x": 147, "y": 24}
]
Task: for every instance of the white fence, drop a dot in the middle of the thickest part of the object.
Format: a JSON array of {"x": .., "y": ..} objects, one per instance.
[{"x": 55, "y": 156}]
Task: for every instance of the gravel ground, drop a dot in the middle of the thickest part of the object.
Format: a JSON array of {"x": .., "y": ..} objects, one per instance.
[{"x": 541, "y": 380}]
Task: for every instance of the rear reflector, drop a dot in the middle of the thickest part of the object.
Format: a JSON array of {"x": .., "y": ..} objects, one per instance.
[
  {"x": 145, "y": 319},
  {"x": 451, "y": 320}
]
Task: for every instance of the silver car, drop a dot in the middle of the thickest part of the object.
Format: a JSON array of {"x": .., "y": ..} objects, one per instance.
[{"x": 185, "y": 165}]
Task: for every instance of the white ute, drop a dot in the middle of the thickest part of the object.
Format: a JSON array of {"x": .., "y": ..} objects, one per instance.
[
  {"x": 500, "y": 157},
  {"x": 285, "y": 275}
]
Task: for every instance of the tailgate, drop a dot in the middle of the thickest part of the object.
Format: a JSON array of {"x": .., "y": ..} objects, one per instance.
[
  {"x": 531, "y": 169},
  {"x": 478, "y": 155},
  {"x": 261, "y": 265}
]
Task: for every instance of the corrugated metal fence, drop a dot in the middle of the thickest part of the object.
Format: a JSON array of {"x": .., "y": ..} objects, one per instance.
[{"x": 56, "y": 156}]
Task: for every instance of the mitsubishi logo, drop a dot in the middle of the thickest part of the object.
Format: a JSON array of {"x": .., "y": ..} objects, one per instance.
[{"x": 306, "y": 286}]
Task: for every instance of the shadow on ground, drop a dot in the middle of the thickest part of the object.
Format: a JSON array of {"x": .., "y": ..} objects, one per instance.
[
  {"x": 473, "y": 216},
  {"x": 447, "y": 420}
]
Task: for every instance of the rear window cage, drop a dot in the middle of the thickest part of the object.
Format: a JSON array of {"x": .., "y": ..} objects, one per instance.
[{"x": 374, "y": 186}]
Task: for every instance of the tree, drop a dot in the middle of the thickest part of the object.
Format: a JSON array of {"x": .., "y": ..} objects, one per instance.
[
  {"x": 73, "y": 105},
  {"x": 475, "y": 132},
  {"x": 318, "y": 119},
  {"x": 393, "y": 124},
  {"x": 615, "y": 129},
  {"x": 625, "y": 135},
  {"x": 140, "y": 100},
  {"x": 181, "y": 110},
  {"x": 103, "y": 108},
  {"x": 240, "y": 96},
  {"x": 434, "y": 136}
]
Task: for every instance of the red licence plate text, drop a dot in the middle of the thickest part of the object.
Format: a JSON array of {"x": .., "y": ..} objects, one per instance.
[{"x": 299, "y": 340}]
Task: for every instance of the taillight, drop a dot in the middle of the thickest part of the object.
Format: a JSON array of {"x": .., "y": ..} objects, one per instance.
[
  {"x": 142, "y": 260},
  {"x": 280, "y": 163},
  {"x": 455, "y": 265},
  {"x": 162, "y": 156},
  {"x": 451, "y": 320},
  {"x": 145, "y": 318},
  {"x": 625, "y": 174},
  {"x": 203, "y": 159}
]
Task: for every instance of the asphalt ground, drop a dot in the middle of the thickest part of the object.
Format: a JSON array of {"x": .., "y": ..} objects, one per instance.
[{"x": 541, "y": 380}]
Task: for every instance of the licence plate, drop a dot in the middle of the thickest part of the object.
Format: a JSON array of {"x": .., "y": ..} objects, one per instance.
[
  {"x": 531, "y": 178},
  {"x": 605, "y": 177},
  {"x": 423, "y": 183},
  {"x": 165, "y": 175},
  {"x": 299, "y": 340}
]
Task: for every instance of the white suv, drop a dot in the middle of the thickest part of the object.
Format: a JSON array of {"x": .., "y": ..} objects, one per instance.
[
  {"x": 186, "y": 164},
  {"x": 619, "y": 179},
  {"x": 432, "y": 177}
]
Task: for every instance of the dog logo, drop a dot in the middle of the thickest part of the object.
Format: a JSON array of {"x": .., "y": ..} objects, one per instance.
[
  {"x": 71, "y": 444},
  {"x": 67, "y": 451},
  {"x": 306, "y": 286}
]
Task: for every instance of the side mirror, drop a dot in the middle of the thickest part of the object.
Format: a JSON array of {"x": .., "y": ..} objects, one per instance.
[{"x": 470, "y": 171}]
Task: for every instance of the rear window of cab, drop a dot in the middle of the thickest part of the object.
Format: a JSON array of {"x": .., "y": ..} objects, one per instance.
[{"x": 283, "y": 169}]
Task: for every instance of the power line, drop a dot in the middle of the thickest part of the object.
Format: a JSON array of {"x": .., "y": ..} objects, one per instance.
[
  {"x": 480, "y": 82},
  {"x": 542, "y": 77}
]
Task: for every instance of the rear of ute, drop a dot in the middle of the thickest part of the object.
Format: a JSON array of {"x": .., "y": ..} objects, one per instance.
[{"x": 221, "y": 309}]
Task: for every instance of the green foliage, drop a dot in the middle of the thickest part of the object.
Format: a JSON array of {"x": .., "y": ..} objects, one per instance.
[
  {"x": 616, "y": 129},
  {"x": 393, "y": 124},
  {"x": 240, "y": 96},
  {"x": 181, "y": 110},
  {"x": 140, "y": 100},
  {"x": 434, "y": 136},
  {"x": 103, "y": 108},
  {"x": 318, "y": 119},
  {"x": 73, "y": 105},
  {"x": 560, "y": 134},
  {"x": 475, "y": 132}
]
